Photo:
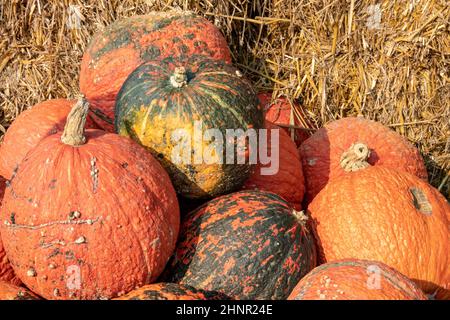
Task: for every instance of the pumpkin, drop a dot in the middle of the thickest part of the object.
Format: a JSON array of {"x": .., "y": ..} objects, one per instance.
[
  {"x": 88, "y": 215},
  {"x": 171, "y": 291},
  {"x": 280, "y": 111},
  {"x": 288, "y": 181},
  {"x": 378, "y": 213},
  {"x": 322, "y": 154},
  {"x": 354, "y": 279},
  {"x": 119, "y": 49},
  {"x": 171, "y": 106},
  {"x": 30, "y": 127},
  {"x": 6, "y": 271},
  {"x": 9, "y": 291},
  {"x": 246, "y": 245}
]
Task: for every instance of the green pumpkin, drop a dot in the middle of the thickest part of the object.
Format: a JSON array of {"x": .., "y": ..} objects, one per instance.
[{"x": 168, "y": 105}]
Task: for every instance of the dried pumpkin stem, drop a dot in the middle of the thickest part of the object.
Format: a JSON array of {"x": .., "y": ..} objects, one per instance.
[
  {"x": 73, "y": 134},
  {"x": 355, "y": 158},
  {"x": 179, "y": 77},
  {"x": 301, "y": 216}
]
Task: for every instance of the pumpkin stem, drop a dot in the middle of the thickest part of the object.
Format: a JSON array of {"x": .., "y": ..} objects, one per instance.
[
  {"x": 179, "y": 77},
  {"x": 73, "y": 134},
  {"x": 355, "y": 158},
  {"x": 301, "y": 216}
]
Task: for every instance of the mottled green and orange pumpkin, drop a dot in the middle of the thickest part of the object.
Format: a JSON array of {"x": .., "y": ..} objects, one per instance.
[
  {"x": 6, "y": 271},
  {"x": 284, "y": 175},
  {"x": 171, "y": 291},
  {"x": 172, "y": 106},
  {"x": 30, "y": 127},
  {"x": 10, "y": 291},
  {"x": 383, "y": 214},
  {"x": 125, "y": 44},
  {"x": 88, "y": 215},
  {"x": 353, "y": 279},
  {"x": 246, "y": 245}
]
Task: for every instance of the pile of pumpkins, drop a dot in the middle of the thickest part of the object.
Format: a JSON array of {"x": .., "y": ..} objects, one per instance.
[{"x": 91, "y": 205}]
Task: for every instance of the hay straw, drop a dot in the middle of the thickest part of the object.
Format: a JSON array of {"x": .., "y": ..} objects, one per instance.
[{"x": 388, "y": 60}]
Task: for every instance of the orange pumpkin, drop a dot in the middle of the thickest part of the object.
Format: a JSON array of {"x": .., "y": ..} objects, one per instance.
[
  {"x": 30, "y": 127},
  {"x": 284, "y": 113},
  {"x": 88, "y": 215},
  {"x": 171, "y": 291},
  {"x": 322, "y": 153},
  {"x": 6, "y": 271},
  {"x": 124, "y": 45},
  {"x": 9, "y": 291},
  {"x": 386, "y": 215},
  {"x": 354, "y": 279},
  {"x": 288, "y": 181}
]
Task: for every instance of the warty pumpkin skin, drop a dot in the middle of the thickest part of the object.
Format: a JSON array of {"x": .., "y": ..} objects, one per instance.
[
  {"x": 119, "y": 49},
  {"x": 9, "y": 291},
  {"x": 280, "y": 112},
  {"x": 6, "y": 271},
  {"x": 246, "y": 245},
  {"x": 382, "y": 214},
  {"x": 288, "y": 182},
  {"x": 353, "y": 279},
  {"x": 88, "y": 216},
  {"x": 321, "y": 153},
  {"x": 161, "y": 97},
  {"x": 30, "y": 127},
  {"x": 171, "y": 291}
]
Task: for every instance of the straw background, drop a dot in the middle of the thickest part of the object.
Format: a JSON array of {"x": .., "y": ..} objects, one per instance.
[{"x": 386, "y": 60}]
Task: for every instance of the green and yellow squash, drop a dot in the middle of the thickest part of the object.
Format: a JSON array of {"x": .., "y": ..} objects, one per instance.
[{"x": 169, "y": 106}]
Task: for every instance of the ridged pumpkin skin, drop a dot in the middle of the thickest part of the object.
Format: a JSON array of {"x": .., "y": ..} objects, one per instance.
[
  {"x": 171, "y": 291},
  {"x": 30, "y": 127},
  {"x": 6, "y": 271},
  {"x": 246, "y": 245},
  {"x": 390, "y": 216},
  {"x": 288, "y": 182},
  {"x": 9, "y": 291},
  {"x": 119, "y": 49},
  {"x": 353, "y": 279},
  {"x": 105, "y": 210},
  {"x": 150, "y": 109},
  {"x": 279, "y": 113},
  {"x": 322, "y": 152}
]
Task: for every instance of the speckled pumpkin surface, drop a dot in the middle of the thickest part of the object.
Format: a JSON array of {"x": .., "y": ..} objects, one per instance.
[
  {"x": 246, "y": 245},
  {"x": 280, "y": 112},
  {"x": 171, "y": 291},
  {"x": 152, "y": 109},
  {"x": 390, "y": 216},
  {"x": 322, "y": 152},
  {"x": 354, "y": 279},
  {"x": 30, "y": 127},
  {"x": 288, "y": 181},
  {"x": 116, "y": 51},
  {"x": 6, "y": 271},
  {"x": 9, "y": 291},
  {"x": 89, "y": 222}
]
